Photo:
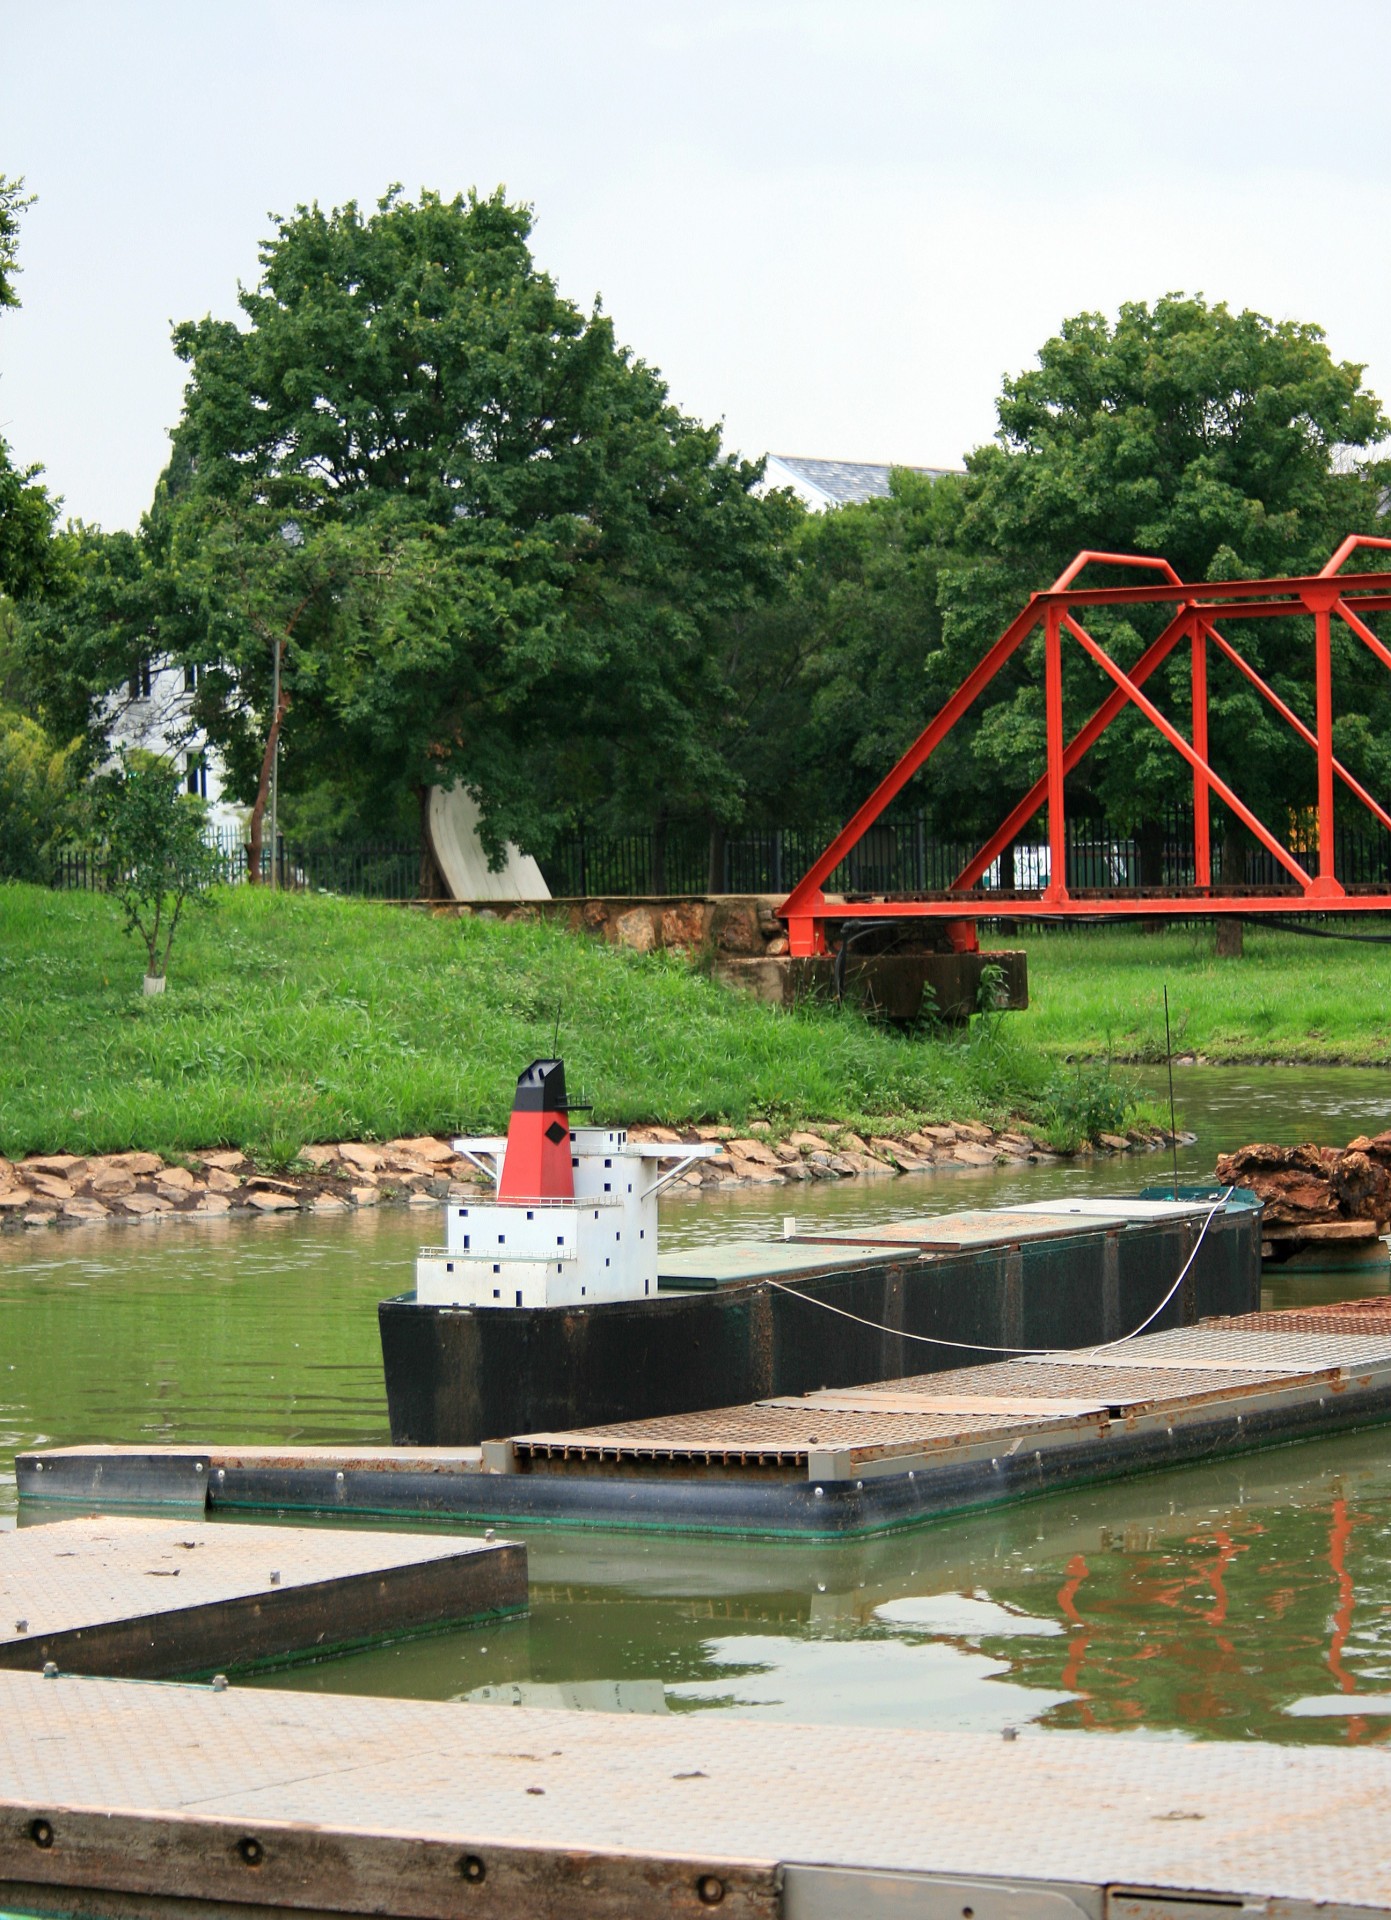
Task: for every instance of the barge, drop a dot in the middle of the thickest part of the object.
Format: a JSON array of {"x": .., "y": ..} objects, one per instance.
[
  {"x": 551, "y": 1306},
  {"x": 836, "y": 1464}
]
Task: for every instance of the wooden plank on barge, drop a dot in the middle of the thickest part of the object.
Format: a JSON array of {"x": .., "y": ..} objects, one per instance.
[
  {"x": 159, "y": 1795},
  {"x": 150, "y": 1598}
]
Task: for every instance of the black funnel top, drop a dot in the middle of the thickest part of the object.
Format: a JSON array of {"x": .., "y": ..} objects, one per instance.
[{"x": 541, "y": 1089}]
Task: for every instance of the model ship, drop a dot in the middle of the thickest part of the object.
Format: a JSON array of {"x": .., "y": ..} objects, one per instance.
[{"x": 550, "y": 1307}]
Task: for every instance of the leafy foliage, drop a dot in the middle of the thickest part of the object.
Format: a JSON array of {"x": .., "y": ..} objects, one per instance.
[
  {"x": 36, "y": 797},
  {"x": 481, "y": 539},
  {"x": 1216, "y": 439},
  {"x": 27, "y": 511}
]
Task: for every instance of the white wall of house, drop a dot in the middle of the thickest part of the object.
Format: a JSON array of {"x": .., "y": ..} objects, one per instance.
[{"x": 154, "y": 712}]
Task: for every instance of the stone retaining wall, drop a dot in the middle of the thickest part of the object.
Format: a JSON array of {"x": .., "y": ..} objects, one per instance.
[
  {"x": 735, "y": 923},
  {"x": 68, "y": 1190}
]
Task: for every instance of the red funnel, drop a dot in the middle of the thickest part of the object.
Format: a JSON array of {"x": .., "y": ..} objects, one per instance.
[{"x": 537, "y": 1165}]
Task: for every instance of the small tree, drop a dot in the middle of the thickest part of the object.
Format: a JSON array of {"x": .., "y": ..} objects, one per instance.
[{"x": 158, "y": 861}]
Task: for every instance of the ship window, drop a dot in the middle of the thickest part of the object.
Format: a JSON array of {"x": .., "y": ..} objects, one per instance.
[
  {"x": 519, "y": 1296},
  {"x": 574, "y": 1163},
  {"x": 502, "y": 1239},
  {"x": 606, "y": 1262},
  {"x": 529, "y": 1214},
  {"x": 647, "y": 1286},
  {"x": 449, "y": 1266},
  {"x": 465, "y": 1243},
  {"x": 596, "y": 1216},
  {"x": 630, "y": 1186},
  {"x": 581, "y": 1293},
  {"x": 560, "y": 1239},
  {"x": 618, "y": 1236},
  {"x": 608, "y": 1163},
  {"x": 608, "y": 1188},
  {"x": 497, "y": 1293},
  {"x": 497, "y": 1269},
  {"x": 642, "y": 1233}
]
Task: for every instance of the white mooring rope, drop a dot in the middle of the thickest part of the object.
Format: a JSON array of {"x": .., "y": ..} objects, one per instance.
[{"x": 982, "y": 1346}]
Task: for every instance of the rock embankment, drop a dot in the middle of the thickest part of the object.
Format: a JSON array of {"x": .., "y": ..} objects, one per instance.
[
  {"x": 68, "y": 1190},
  {"x": 64, "y": 1189}
]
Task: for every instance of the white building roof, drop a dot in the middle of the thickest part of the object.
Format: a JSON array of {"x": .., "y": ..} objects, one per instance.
[{"x": 836, "y": 483}]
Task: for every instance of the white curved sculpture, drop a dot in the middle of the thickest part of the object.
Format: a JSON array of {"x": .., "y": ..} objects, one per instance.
[{"x": 452, "y": 821}]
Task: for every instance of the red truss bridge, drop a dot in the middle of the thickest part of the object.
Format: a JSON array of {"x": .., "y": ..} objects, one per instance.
[{"x": 1197, "y": 610}]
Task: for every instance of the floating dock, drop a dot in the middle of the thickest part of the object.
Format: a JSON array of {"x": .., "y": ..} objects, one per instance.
[
  {"x": 155, "y": 1598},
  {"x": 839, "y": 1462},
  {"x": 741, "y": 1323},
  {"x": 136, "y": 1799}
]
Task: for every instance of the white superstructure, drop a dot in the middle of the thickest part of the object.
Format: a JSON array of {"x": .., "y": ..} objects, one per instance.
[{"x": 602, "y": 1245}]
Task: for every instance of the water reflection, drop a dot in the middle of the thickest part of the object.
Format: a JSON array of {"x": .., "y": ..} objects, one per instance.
[{"x": 1203, "y": 1602}]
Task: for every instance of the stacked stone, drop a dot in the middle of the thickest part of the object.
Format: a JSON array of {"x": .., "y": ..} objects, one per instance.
[
  {"x": 65, "y": 1189},
  {"x": 834, "y": 1153},
  {"x": 1309, "y": 1186}
]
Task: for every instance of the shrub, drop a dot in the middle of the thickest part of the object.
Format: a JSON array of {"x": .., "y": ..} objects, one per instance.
[{"x": 35, "y": 797}]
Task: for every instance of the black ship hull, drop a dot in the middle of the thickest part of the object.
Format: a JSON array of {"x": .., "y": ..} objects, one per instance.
[{"x": 456, "y": 1376}]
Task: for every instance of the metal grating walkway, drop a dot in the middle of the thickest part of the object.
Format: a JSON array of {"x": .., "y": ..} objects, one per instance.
[{"x": 1075, "y": 1392}]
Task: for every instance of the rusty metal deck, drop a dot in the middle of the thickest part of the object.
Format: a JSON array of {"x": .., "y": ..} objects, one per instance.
[
  {"x": 140, "y": 1799},
  {"x": 157, "y": 1597}
]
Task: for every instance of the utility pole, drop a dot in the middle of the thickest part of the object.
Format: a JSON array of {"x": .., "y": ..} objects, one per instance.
[{"x": 275, "y": 773}]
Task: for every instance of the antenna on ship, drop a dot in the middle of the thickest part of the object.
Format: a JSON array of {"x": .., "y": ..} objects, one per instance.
[
  {"x": 1169, "y": 1063},
  {"x": 555, "y": 1043}
]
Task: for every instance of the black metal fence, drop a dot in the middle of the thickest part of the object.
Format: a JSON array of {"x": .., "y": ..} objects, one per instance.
[
  {"x": 897, "y": 856},
  {"x": 369, "y": 870}
]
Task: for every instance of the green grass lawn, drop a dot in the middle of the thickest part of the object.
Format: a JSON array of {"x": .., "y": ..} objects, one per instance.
[
  {"x": 293, "y": 1019},
  {"x": 1100, "y": 993}
]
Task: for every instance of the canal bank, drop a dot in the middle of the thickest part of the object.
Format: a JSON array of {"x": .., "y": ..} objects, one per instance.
[{"x": 1194, "y": 1601}]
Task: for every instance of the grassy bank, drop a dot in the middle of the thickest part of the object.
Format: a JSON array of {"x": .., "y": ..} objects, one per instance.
[
  {"x": 290, "y": 1020},
  {"x": 1100, "y": 994}
]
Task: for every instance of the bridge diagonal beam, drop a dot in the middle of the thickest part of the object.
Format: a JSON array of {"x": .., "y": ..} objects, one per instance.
[
  {"x": 1292, "y": 719},
  {"x": 1362, "y": 630},
  {"x": 1176, "y": 740},
  {"x": 1009, "y": 829},
  {"x": 798, "y": 905}
]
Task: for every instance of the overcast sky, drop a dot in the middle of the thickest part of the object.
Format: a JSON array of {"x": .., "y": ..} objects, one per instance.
[{"x": 833, "y": 226}]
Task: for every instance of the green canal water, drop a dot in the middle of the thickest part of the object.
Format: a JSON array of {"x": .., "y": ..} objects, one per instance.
[{"x": 1209, "y": 1601}]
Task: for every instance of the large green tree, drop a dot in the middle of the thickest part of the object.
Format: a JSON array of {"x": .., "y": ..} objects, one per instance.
[
  {"x": 1230, "y": 444},
  {"x": 27, "y": 510},
  {"x": 1223, "y": 441},
  {"x": 467, "y": 529}
]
